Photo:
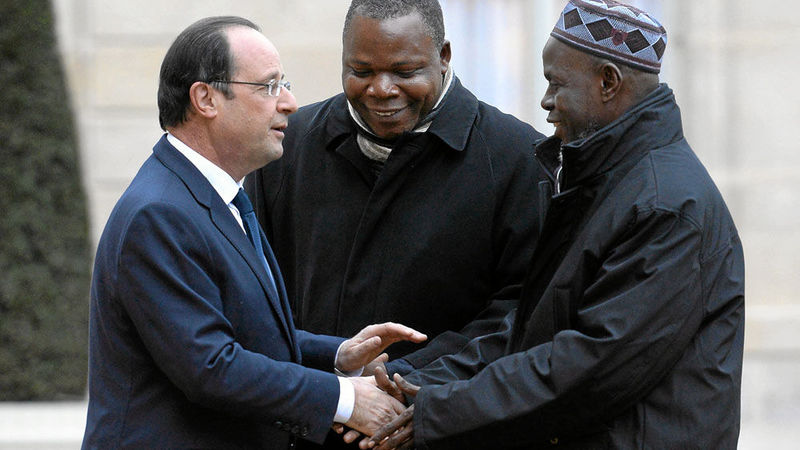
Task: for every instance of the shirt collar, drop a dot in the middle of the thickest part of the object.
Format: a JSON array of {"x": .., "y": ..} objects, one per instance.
[{"x": 224, "y": 184}]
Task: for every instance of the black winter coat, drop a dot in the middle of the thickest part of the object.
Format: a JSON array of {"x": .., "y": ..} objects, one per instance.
[
  {"x": 630, "y": 329},
  {"x": 440, "y": 241}
]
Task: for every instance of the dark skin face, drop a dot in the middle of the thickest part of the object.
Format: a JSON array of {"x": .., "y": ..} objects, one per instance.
[
  {"x": 575, "y": 92},
  {"x": 392, "y": 72}
]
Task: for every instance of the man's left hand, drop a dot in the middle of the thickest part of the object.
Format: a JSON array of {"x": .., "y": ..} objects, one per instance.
[{"x": 370, "y": 342}]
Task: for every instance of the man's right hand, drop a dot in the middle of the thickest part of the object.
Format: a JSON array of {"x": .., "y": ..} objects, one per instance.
[{"x": 373, "y": 408}]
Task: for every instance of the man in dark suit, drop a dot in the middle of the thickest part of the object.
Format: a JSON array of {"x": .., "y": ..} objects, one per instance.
[
  {"x": 192, "y": 343},
  {"x": 630, "y": 329}
]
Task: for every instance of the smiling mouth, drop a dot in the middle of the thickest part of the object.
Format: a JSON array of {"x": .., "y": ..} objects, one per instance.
[{"x": 387, "y": 113}]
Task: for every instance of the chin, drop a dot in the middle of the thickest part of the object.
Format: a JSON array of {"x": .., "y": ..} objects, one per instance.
[{"x": 271, "y": 155}]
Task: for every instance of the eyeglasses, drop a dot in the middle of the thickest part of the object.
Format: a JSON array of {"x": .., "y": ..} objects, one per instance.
[{"x": 272, "y": 87}]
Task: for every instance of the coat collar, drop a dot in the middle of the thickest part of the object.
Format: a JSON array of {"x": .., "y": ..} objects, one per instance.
[
  {"x": 653, "y": 123},
  {"x": 452, "y": 125},
  {"x": 191, "y": 177}
]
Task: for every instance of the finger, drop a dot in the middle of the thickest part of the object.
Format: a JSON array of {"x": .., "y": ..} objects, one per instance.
[
  {"x": 386, "y": 431},
  {"x": 402, "y": 439},
  {"x": 405, "y": 386},
  {"x": 392, "y": 332},
  {"x": 364, "y": 444},
  {"x": 338, "y": 428},
  {"x": 407, "y": 445},
  {"x": 369, "y": 369},
  {"x": 372, "y": 346},
  {"x": 351, "y": 436},
  {"x": 394, "y": 425},
  {"x": 360, "y": 354},
  {"x": 383, "y": 382},
  {"x": 398, "y": 332}
]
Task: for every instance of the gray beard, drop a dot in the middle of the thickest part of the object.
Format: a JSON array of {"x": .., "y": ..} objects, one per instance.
[{"x": 591, "y": 128}]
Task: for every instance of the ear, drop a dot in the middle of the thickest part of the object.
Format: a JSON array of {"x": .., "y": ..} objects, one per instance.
[
  {"x": 203, "y": 100},
  {"x": 444, "y": 56},
  {"x": 611, "y": 79}
]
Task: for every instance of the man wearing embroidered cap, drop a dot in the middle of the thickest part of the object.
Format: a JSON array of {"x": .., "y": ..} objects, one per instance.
[{"x": 630, "y": 328}]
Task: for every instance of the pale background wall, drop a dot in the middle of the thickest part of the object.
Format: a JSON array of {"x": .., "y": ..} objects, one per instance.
[{"x": 730, "y": 62}]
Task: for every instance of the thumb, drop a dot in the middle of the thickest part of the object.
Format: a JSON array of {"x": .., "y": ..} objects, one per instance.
[{"x": 372, "y": 343}]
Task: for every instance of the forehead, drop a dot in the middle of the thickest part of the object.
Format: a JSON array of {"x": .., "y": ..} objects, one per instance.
[
  {"x": 560, "y": 57},
  {"x": 253, "y": 54},
  {"x": 373, "y": 41}
]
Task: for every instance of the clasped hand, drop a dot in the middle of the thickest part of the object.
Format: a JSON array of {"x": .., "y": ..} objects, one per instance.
[
  {"x": 375, "y": 405},
  {"x": 398, "y": 433},
  {"x": 395, "y": 429}
]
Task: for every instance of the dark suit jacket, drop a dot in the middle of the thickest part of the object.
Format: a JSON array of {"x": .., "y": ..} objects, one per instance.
[{"x": 186, "y": 347}]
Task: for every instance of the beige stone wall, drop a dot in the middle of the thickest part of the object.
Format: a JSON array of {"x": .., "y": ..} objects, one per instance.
[
  {"x": 735, "y": 82},
  {"x": 731, "y": 63}
]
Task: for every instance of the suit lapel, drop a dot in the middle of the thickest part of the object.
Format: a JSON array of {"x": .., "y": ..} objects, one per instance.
[
  {"x": 284, "y": 298},
  {"x": 228, "y": 226},
  {"x": 223, "y": 220}
]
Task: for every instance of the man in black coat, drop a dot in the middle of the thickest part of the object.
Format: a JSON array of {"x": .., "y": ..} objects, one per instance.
[
  {"x": 403, "y": 198},
  {"x": 630, "y": 329}
]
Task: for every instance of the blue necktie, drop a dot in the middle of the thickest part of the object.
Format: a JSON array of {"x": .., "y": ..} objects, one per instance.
[{"x": 242, "y": 203}]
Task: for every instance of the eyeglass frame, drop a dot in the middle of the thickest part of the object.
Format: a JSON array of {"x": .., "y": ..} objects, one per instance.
[{"x": 282, "y": 83}]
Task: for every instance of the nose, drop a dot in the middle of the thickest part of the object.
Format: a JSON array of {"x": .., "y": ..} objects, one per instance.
[
  {"x": 547, "y": 102},
  {"x": 287, "y": 103},
  {"x": 382, "y": 85}
]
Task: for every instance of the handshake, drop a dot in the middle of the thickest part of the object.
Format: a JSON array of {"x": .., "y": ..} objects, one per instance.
[{"x": 379, "y": 412}]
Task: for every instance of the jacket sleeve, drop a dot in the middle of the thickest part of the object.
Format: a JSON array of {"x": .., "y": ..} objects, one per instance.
[
  {"x": 476, "y": 355},
  {"x": 168, "y": 288},
  {"x": 319, "y": 351},
  {"x": 514, "y": 234},
  {"x": 632, "y": 324}
]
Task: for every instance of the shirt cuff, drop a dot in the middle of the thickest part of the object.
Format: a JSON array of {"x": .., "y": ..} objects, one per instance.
[
  {"x": 347, "y": 400},
  {"x": 352, "y": 373}
]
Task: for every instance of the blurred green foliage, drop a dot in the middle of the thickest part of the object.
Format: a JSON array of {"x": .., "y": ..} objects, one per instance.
[{"x": 44, "y": 246}]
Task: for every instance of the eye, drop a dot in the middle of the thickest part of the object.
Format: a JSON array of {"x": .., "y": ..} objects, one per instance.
[
  {"x": 405, "y": 73},
  {"x": 360, "y": 73}
]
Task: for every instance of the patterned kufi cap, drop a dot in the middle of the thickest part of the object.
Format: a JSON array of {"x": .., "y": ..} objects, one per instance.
[{"x": 613, "y": 30}]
